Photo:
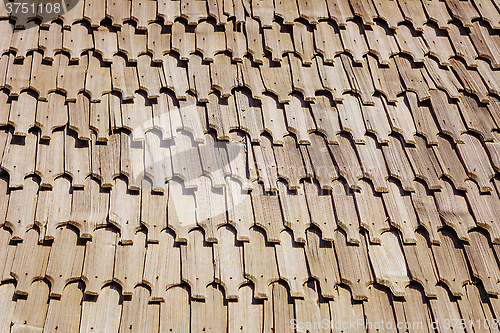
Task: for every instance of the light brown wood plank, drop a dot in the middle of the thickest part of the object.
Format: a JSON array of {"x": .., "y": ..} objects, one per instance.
[
  {"x": 305, "y": 79},
  {"x": 185, "y": 160},
  {"x": 108, "y": 156},
  {"x": 462, "y": 44},
  {"x": 51, "y": 114},
  {"x": 401, "y": 212},
  {"x": 30, "y": 262},
  {"x": 291, "y": 264},
  {"x": 386, "y": 79},
  {"x": 477, "y": 117},
  {"x": 118, "y": 11},
  {"x": 28, "y": 313},
  {"x": 389, "y": 12},
  {"x": 162, "y": 268},
  {"x": 424, "y": 164},
  {"x": 183, "y": 41},
  {"x": 488, "y": 12},
  {"x": 276, "y": 78},
  {"x": 124, "y": 77},
  {"x": 199, "y": 78},
  {"x": 98, "y": 78},
  {"x": 412, "y": 77},
  {"x": 236, "y": 42},
  {"x": 149, "y": 79},
  {"x": 137, "y": 117},
  {"x": 54, "y": 207},
  {"x": 143, "y": 12},
  {"x": 193, "y": 11},
  {"x": 453, "y": 209},
  {"x": 379, "y": 305},
  {"x": 483, "y": 207},
  {"x": 327, "y": 41},
  {"x": 50, "y": 41},
  {"x": 286, "y": 10},
  {"x": 19, "y": 158},
  {"x": 210, "y": 208},
  {"x": 89, "y": 208},
  {"x": 401, "y": 119},
  {"x": 346, "y": 160},
  {"x": 381, "y": 42},
  {"x": 197, "y": 265},
  {"x": 169, "y": 10},
  {"x": 263, "y": 10},
  {"x": 210, "y": 315},
  {"x": 24, "y": 40},
  {"x": 426, "y": 210},
  {"x": 175, "y": 75},
  {"x": 295, "y": 212},
  {"x": 50, "y": 159},
  {"x": 249, "y": 114},
  {"x": 19, "y": 215},
  {"x": 321, "y": 211},
  {"x": 65, "y": 261},
  {"x": 421, "y": 265},
  {"x": 376, "y": 120},
  {"x": 138, "y": 315},
  {"x": 483, "y": 262},
  {"x": 158, "y": 41},
  {"x": 289, "y": 161},
  {"x": 22, "y": 113},
  {"x": 129, "y": 264},
  {"x": 273, "y": 118},
  {"x": 228, "y": 262},
  {"x": 64, "y": 313},
  {"x": 437, "y": 12},
  {"x": 254, "y": 38},
  {"x": 222, "y": 115},
  {"x": 6, "y": 31},
  {"x": 353, "y": 266},
  {"x": 175, "y": 311},
  {"x": 354, "y": 41},
  {"x": 372, "y": 216},
  {"x": 106, "y": 44},
  {"x": 124, "y": 210},
  {"x": 180, "y": 219},
  {"x": 131, "y": 42},
  {"x": 340, "y": 11},
  {"x": 105, "y": 313},
  {"x": 351, "y": 117},
  {"x": 71, "y": 77},
  {"x": 443, "y": 78},
  {"x": 438, "y": 43},
  {"x": 451, "y": 166},
  {"x": 471, "y": 80},
  {"x": 267, "y": 212},
  {"x": 99, "y": 259},
  {"x": 413, "y": 12},
  {"x": 373, "y": 164},
  {"x": 322, "y": 263},
  {"x": 389, "y": 265},
  {"x": 281, "y": 303},
  {"x": 18, "y": 74},
  {"x": 447, "y": 115},
  {"x": 76, "y": 159},
  {"x": 77, "y": 40},
  {"x": 476, "y": 161}
]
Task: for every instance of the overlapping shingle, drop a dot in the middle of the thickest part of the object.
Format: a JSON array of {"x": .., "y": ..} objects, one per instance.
[{"x": 234, "y": 138}]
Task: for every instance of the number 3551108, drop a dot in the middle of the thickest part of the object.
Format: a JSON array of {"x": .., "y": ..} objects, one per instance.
[{"x": 33, "y": 8}]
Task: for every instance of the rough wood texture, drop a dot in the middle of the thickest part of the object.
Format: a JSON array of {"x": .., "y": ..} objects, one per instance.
[{"x": 235, "y": 165}]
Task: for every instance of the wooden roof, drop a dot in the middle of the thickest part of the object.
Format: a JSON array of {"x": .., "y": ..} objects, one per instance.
[{"x": 236, "y": 165}]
